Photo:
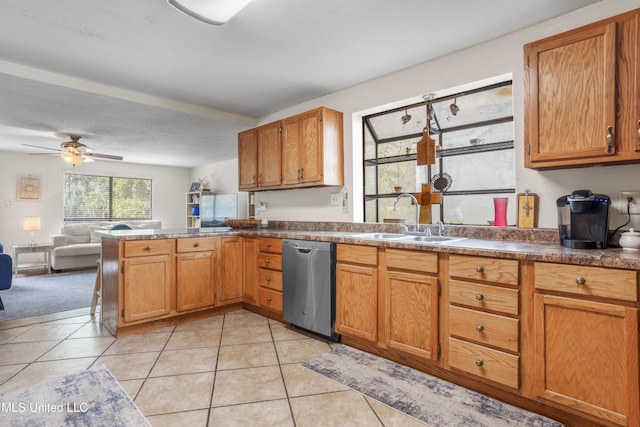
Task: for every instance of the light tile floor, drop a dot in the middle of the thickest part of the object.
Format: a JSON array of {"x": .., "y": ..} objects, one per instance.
[{"x": 235, "y": 369}]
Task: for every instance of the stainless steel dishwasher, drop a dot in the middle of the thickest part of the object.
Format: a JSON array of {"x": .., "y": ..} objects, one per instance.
[{"x": 309, "y": 285}]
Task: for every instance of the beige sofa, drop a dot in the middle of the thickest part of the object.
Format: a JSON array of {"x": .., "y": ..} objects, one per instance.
[{"x": 79, "y": 244}]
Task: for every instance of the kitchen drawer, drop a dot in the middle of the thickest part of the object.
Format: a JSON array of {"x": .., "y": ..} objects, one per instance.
[
  {"x": 485, "y": 328},
  {"x": 270, "y": 261},
  {"x": 196, "y": 244},
  {"x": 486, "y": 297},
  {"x": 354, "y": 254},
  {"x": 412, "y": 260},
  {"x": 270, "y": 279},
  {"x": 147, "y": 247},
  {"x": 587, "y": 281},
  {"x": 269, "y": 244},
  {"x": 495, "y": 270},
  {"x": 270, "y": 299},
  {"x": 494, "y": 365}
]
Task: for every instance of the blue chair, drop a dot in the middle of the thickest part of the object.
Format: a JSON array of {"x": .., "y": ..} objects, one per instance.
[
  {"x": 6, "y": 272},
  {"x": 97, "y": 288}
]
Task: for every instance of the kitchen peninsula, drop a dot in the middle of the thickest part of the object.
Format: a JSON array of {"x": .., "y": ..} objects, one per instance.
[{"x": 507, "y": 312}]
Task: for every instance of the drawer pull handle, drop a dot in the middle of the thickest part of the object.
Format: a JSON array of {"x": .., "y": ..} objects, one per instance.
[
  {"x": 479, "y": 328},
  {"x": 269, "y": 279},
  {"x": 580, "y": 280},
  {"x": 479, "y": 362},
  {"x": 479, "y": 297},
  {"x": 480, "y": 269},
  {"x": 148, "y": 248},
  {"x": 269, "y": 244},
  {"x": 267, "y": 261},
  {"x": 269, "y": 299}
]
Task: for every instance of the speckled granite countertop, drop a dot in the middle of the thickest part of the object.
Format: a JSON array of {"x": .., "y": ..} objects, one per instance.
[{"x": 503, "y": 242}]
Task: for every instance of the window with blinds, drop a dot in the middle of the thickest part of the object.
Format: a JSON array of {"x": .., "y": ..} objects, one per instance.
[{"x": 95, "y": 197}]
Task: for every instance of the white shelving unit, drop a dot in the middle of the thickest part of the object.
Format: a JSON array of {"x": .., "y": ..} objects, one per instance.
[{"x": 193, "y": 199}]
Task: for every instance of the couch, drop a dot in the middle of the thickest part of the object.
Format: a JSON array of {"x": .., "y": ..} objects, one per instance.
[{"x": 79, "y": 244}]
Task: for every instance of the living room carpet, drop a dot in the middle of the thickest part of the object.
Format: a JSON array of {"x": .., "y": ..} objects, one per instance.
[
  {"x": 48, "y": 293},
  {"x": 436, "y": 402},
  {"x": 91, "y": 397}
]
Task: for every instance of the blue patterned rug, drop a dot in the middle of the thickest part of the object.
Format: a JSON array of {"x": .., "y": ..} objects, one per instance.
[
  {"x": 89, "y": 398},
  {"x": 435, "y": 402}
]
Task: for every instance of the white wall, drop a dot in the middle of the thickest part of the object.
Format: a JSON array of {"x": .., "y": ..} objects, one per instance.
[
  {"x": 169, "y": 186},
  {"x": 497, "y": 57}
]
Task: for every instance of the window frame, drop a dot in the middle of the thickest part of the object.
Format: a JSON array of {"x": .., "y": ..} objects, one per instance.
[{"x": 110, "y": 216}]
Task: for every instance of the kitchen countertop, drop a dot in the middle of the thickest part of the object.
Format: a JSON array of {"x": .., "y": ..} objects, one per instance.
[{"x": 507, "y": 242}]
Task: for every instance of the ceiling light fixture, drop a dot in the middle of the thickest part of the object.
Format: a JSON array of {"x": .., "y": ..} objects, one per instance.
[
  {"x": 72, "y": 159},
  {"x": 215, "y": 12}
]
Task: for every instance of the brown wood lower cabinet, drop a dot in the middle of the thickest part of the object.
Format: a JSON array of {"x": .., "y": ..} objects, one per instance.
[
  {"x": 410, "y": 303},
  {"x": 231, "y": 268},
  {"x": 586, "y": 351},
  {"x": 195, "y": 273},
  {"x": 146, "y": 287},
  {"x": 357, "y": 291},
  {"x": 270, "y": 274}
]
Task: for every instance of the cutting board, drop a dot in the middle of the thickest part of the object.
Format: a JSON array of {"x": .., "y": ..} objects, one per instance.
[{"x": 426, "y": 150}]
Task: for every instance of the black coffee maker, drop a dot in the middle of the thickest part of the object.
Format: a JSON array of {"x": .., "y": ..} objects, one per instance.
[{"x": 583, "y": 220}]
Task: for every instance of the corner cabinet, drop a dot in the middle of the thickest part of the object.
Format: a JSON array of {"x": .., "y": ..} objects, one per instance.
[
  {"x": 305, "y": 150},
  {"x": 581, "y": 96},
  {"x": 586, "y": 348}
]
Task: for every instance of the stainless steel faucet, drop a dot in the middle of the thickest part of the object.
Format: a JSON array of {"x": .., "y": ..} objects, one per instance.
[{"x": 403, "y": 195}]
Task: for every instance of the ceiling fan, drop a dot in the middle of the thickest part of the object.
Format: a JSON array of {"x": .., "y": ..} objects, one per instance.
[{"x": 74, "y": 152}]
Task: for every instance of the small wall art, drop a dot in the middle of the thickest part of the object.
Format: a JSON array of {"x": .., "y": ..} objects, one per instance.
[{"x": 29, "y": 188}]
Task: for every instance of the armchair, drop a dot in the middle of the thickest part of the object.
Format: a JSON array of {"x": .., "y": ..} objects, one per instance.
[{"x": 6, "y": 273}]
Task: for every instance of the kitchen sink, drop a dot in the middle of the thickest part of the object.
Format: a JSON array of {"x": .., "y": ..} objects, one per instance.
[
  {"x": 378, "y": 236},
  {"x": 432, "y": 239}
]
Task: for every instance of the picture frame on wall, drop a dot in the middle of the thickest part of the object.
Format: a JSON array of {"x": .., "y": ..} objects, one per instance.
[
  {"x": 29, "y": 188},
  {"x": 195, "y": 186}
]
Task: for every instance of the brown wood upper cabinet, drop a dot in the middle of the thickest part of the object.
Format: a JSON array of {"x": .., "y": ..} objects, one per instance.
[
  {"x": 305, "y": 150},
  {"x": 581, "y": 103},
  {"x": 312, "y": 149}
]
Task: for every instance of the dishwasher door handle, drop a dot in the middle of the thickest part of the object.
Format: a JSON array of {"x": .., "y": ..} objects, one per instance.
[{"x": 303, "y": 250}]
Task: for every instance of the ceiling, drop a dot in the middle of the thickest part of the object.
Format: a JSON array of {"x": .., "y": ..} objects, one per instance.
[{"x": 142, "y": 80}]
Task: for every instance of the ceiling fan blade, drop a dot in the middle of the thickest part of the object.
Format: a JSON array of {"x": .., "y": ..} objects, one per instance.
[
  {"x": 103, "y": 156},
  {"x": 44, "y": 154},
  {"x": 44, "y": 148}
]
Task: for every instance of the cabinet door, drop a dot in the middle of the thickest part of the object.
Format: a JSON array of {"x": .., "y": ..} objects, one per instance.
[
  {"x": 269, "y": 156},
  {"x": 587, "y": 357},
  {"x": 311, "y": 148},
  {"x": 248, "y": 159},
  {"x": 195, "y": 280},
  {"x": 357, "y": 301},
  {"x": 291, "y": 174},
  {"x": 250, "y": 276},
  {"x": 411, "y": 313},
  {"x": 570, "y": 97},
  {"x": 146, "y": 287},
  {"x": 230, "y": 270}
]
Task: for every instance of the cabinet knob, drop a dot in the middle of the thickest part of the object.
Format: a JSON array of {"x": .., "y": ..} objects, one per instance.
[
  {"x": 479, "y": 362},
  {"x": 479, "y": 328},
  {"x": 480, "y": 269},
  {"x": 269, "y": 299},
  {"x": 479, "y": 297},
  {"x": 196, "y": 244},
  {"x": 267, "y": 261},
  {"x": 580, "y": 280},
  {"x": 148, "y": 248},
  {"x": 269, "y": 244},
  {"x": 269, "y": 279}
]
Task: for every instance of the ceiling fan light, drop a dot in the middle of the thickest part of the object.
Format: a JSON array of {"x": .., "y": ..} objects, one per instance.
[
  {"x": 215, "y": 12},
  {"x": 72, "y": 159}
]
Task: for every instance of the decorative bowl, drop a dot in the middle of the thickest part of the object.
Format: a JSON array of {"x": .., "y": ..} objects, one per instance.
[
  {"x": 242, "y": 223},
  {"x": 630, "y": 241}
]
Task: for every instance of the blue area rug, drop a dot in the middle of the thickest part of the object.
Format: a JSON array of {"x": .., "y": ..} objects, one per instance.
[
  {"x": 47, "y": 293},
  {"x": 429, "y": 399},
  {"x": 89, "y": 398}
]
